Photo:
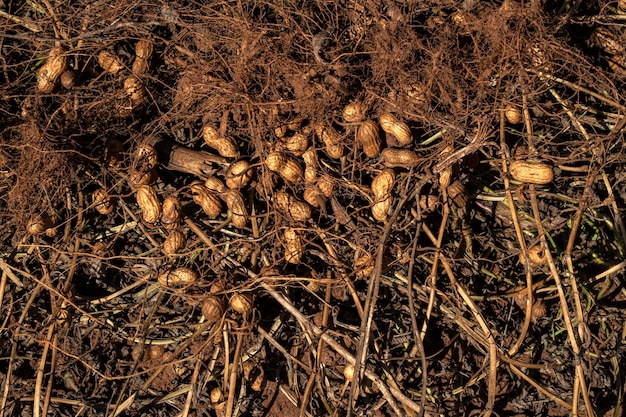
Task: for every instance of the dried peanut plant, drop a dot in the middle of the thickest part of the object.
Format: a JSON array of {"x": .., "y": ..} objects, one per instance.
[{"x": 246, "y": 208}]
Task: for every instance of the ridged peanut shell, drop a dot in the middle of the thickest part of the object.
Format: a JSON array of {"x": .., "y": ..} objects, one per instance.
[
  {"x": 313, "y": 195},
  {"x": 255, "y": 376},
  {"x": 332, "y": 140},
  {"x": 203, "y": 197},
  {"x": 296, "y": 144},
  {"x": 36, "y": 225},
  {"x": 51, "y": 70},
  {"x": 213, "y": 308},
  {"x": 242, "y": 303},
  {"x": 225, "y": 146},
  {"x": 383, "y": 183},
  {"x": 173, "y": 242},
  {"x": 369, "y": 137},
  {"x": 513, "y": 114},
  {"x": 457, "y": 193},
  {"x": 428, "y": 203},
  {"x": 299, "y": 211},
  {"x": 608, "y": 41},
  {"x": 172, "y": 210},
  {"x": 354, "y": 112},
  {"x": 326, "y": 184},
  {"x": 135, "y": 91},
  {"x": 381, "y": 208},
  {"x": 146, "y": 158},
  {"x": 293, "y": 246},
  {"x": 144, "y": 49},
  {"x": 140, "y": 66},
  {"x": 238, "y": 174},
  {"x": 178, "y": 277},
  {"x": 215, "y": 184},
  {"x": 102, "y": 201},
  {"x": 531, "y": 172},
  {"x": 399, "y": 158},
  {"x": 109, "y": 62},
  {"x": 148, "y": 202},
  {"x": 398, "y": 129},
  {"x": 445, "y": 176},
  {"x": 69, "y": 78},
  {"x": 286, "y": 165},
  {"x": 235, "y": 203}
]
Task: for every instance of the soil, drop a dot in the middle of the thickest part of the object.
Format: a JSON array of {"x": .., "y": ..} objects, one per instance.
[{"x": 464, "y": 258}]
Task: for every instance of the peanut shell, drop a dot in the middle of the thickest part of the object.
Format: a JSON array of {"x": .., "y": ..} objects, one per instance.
[
  {"x": 51, "y": 70},
  {"x": 293, "y": 246},
  {"x": 174, "y": 242},
  {"x": 242, "y": 303},
  {"x": 203, "y": 197},
  {"x": 297, "y": 210},
  {"x": 238, "y": 174},
  {"x": 238, "y": 212},
  {"x": 332, "y": 140},
  {"x": 354, "y": 112},
  {"x": 369, "y": 137},
  {"x": 513, "y": 114},
  {"x": 213, "y": 308},
  {"x": 102, "y": 201},
  {"x": 148, "y": 202},
  {"x": 531, "y": 172},
  {"x": 172, "y": 210},
  {"x": 178, "y": 277},
  {"x": 399, "y": 158},
  {"x": 396, "y": 128},
  {"x": 109, "y": 62}
]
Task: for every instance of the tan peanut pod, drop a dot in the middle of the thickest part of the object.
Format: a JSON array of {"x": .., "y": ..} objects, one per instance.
[
  {"x": 287, "y": 166},
  {"x": 102, "y": 201},
  {"x": 536, "y": 256},
  {"x": 242, "y": 303},
  {"x": 215, "y": 184},
  {"x": 143, "y": 178},
  {"x": 513, "y": 114},
  {"x": 255, "y": 376},
  {"x": 297, "y": 144},
  {"x": 354, "y": 112},
  {"x": 217, "y": 395},
  {"x": 213, "y": 308},
  {"x": 293, "y": 246},
  {"x": 297, "y": 210},
  {"x": 380, "y": 209},
  {"x": 144, "y": 49},
  {"x": 109, "y": 62},
  {"x": 531, "y": 172},
  {"x": 457, "y": 193},
  {"x": 621, "y": 4},
  {"x": 140, "y": 66},
  {"x": 148, "y": 202},
  {"x": 178, "y": 277},
  {"x": 238, "y": 212},
  {"x": 368, "y": 136},
  {"x": 364, "y": 266},
  {"x": 383, "y": 183},
  {"x": 348, "y": 371},
  {"x": 135, "y": 91},
  {"x": 36, "y": 225},
  {"x": 69, "y": 78},
  {"x": 310, "y": 157},
  {"x": 608, "y": 41},
  {"x": 281, "y": 131},
  {"x": 428, "y": 203},
  {"x": 51, "y": 70},
  {"x": 203, "y": 197},
  {"x": 146, "y": 158},
  {"x": 326, "y": 184},
  {"x": 396, "y": 128},
  {"x": 332, "y": 140},
  {"x": 226, "y": 147},
  {"x": 399, "y": 158},
  {"x": 238, "y": 174},
  {"x": 172, "y": 210},
  {"x": 445, "y": 176},
  {"x": 173, "y": 242},
  {"x": 310, "y": 174},
  {"x": 313, "y": 195}
]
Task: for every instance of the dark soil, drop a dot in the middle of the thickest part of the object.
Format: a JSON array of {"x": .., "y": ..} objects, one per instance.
[{"x": 478, "y": 291}]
